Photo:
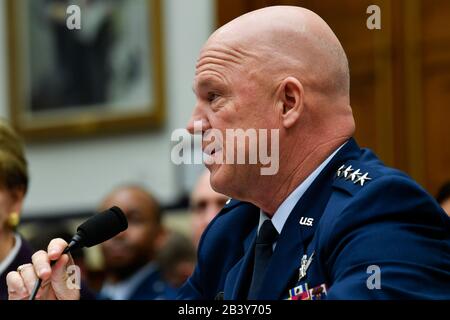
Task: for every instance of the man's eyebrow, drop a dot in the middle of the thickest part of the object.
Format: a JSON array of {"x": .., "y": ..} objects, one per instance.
[
  {"x": 200, "y": 84},
  {"x": 205, "y": 83}
]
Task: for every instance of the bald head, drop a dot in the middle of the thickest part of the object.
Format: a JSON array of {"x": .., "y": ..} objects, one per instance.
[
  {"x": 135, "y": 247},
  {"x": 126, "y": 196},
  {"x": 288, "y": 41},
  {"x": 280, "y": 68}
]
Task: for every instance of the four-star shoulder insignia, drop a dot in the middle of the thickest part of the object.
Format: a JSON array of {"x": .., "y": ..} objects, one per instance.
[{"x": 356, "y": 176}]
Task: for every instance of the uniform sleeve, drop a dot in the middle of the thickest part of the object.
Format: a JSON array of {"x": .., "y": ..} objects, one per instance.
[{"x": 391, "y": 242}]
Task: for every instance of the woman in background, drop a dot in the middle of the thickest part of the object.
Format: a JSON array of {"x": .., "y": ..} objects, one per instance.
[{"x": 14, "y": 251}]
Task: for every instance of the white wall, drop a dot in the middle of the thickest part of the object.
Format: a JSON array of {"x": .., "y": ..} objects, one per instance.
[{"x": 77, "y": 174}]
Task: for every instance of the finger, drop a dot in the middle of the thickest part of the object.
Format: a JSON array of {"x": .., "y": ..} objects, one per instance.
[
  {"x": 41, "y": 264},
  {"x": 29, "y": 277},
  {"x": 63, "y": 287},
  {"x": 44, "y": 292},
  {"x": 59, "y": 272},
  {"x": 56, "y": 248},
  {"x": 16, "y": 286}
]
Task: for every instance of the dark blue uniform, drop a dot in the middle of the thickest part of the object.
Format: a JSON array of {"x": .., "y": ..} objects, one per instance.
[
  {"x": 151, "y": 287},
  {"x": 377, "y": 237}
]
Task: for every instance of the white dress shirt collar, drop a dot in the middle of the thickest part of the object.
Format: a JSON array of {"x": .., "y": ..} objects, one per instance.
[{"x": 281, "y": 215}]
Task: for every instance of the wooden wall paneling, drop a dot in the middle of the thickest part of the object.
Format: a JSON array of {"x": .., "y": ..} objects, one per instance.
[
  {"x": 369, "y": 53},
  {"x": 435, "y": 40},
  {"x": 412, "y": 79},
  {"x": 384, "y": 106}
]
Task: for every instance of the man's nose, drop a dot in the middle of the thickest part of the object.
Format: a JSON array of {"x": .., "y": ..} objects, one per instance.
[{"x": 198, "y": 123}]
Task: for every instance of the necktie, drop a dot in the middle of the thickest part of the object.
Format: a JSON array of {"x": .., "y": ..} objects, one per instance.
[{"x": 263, "y": 252}]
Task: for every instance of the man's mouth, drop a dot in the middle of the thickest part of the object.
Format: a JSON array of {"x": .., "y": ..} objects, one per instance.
[{"x": 211, "y": 156}]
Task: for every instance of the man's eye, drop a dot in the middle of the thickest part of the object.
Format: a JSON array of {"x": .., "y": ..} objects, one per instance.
[{"x": 212, "y": 96}]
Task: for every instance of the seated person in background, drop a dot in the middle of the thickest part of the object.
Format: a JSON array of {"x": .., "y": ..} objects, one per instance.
[
  {"x": 177, "y": 259},
  {"x": 14, "y": 251},
  {"x": 443, "y": 197},
  {"x": 205, "y": 204},
  {"x": 130, "y": 270}
]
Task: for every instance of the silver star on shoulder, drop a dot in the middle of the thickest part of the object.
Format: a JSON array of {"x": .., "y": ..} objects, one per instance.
[
  {"x": 339, "y": 171},
  {"x": 347, "y": 171},
  {"x": 355, "y": 175},
  {"x": 362, "y": 179}
]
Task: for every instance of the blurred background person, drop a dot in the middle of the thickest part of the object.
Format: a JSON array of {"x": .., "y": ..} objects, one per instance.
[
  {"x": 177, "y": 259},
  {"x": 14, "y": 250},
  {"x": 205, "y": 204},
  {"x": 131, "y": 272},
  {"x": 443, "y": 197}
]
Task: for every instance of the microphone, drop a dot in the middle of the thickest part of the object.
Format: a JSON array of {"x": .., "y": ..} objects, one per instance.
[{"x": 97, "y": 229}]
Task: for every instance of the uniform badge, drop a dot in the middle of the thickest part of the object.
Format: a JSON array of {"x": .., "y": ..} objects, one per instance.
[
  {"x": 302, "y": 292},
  {"x": 299, "y": 293},
  {"x": 304, "y": 265},
  {"x": 319, "y": 292},
  {"x": 354, "y": 175}
]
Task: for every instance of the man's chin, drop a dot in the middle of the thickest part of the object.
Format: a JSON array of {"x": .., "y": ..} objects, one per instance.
[{"x": 221, "y": 179}]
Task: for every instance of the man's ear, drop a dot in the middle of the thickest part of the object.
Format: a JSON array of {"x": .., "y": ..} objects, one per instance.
[{"x": 291, "y": 95}]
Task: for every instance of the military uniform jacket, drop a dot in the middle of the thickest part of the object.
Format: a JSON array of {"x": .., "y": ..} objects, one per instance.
[{"x": 369, "y": 231}]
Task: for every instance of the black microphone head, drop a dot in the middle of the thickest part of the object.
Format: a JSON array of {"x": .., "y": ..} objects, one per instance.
[{"x": 102, "y": 226}]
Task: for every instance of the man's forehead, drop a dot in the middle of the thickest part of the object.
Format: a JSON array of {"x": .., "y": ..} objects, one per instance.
[
  {"x": 219, "y": 56},
  {"x": 216, "y": 64}
]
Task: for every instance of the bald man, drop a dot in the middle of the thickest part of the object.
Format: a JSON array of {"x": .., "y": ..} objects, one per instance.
[
  {"x": 333, "y": 222},
  {"x": 205, "y": 205}
]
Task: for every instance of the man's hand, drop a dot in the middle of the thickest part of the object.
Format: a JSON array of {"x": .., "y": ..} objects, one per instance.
[{"x": 54, "y": 279}]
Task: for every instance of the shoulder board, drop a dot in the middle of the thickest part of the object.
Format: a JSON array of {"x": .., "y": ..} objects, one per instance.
[{"x": 353, "y": 176}]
